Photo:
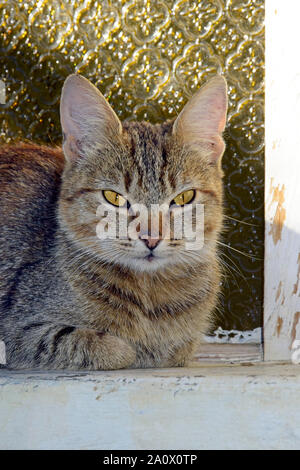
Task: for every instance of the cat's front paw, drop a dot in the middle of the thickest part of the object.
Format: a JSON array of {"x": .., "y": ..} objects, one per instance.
[
  {"x": 182, "y": 356},
  {"x": 92, "y": 350},
  {"x": 115, "y": 353}
]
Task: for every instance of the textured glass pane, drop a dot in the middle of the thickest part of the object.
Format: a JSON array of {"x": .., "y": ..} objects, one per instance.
[{"x": 148, "y": 57}]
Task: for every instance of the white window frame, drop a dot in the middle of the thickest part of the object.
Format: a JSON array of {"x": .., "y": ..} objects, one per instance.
[{"x": 282, "y": 185}]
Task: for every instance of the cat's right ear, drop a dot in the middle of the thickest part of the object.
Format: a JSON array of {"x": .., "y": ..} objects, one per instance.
[
  {"x": 201, "y": 122},
  {"x": 87, "y": 120}
]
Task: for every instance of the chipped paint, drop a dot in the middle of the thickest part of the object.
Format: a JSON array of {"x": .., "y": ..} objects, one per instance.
[
  {"x": 279, "y": 325},
  {"x": 271, "y": 187},
  {"x": 280, "y": 214},
  {"x": 294, "y": 327},
  {"x": 282, "y": 188},
  {"x": 278, "y": 291},
  {"x": 223, "y": 407},
  {"x": 296, "y": 285}
]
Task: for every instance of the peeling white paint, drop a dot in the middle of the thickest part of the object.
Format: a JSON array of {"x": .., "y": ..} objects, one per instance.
[
  {"x": 225, "y": 407},
  {"x": 282, "y": 189},
  {"x": 235, "y": 336}
]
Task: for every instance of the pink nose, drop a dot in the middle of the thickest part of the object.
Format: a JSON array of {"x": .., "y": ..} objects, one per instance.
[{"x": 151, "y": 243}]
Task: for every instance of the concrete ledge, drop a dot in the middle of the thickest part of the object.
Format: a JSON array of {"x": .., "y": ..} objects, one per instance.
[{"x": 211, "y": 407}]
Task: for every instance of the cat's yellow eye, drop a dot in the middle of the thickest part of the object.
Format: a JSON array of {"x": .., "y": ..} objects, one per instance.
[
  {"x": 184, "y": 198},
  {"x": 114, "y": 198}
]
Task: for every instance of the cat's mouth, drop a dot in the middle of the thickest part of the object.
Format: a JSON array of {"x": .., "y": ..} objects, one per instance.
[{"x": 148, "y": 262}]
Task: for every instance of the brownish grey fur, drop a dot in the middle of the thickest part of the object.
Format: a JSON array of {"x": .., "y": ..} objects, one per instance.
[{"x": 61, "y": 306}]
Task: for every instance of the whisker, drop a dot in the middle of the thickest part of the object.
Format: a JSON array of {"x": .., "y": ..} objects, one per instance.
[
  {"x": 237, "y": 269},
  {"x": 240, "y": 221},
  {"x": 240, "y": 252}
]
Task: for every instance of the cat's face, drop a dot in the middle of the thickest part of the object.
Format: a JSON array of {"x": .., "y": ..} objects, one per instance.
[{"x": 139, "y": 178}]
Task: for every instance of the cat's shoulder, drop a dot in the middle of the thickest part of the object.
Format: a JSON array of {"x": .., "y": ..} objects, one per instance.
[
  {"x": 28, "y": 168},
  {"x": 30, "y": 178},
  {"x": 30, "y": 157}
]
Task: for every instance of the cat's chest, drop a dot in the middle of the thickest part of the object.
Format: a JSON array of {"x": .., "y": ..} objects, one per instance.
[
  {"x": 156, "y": 318},
  {"x": 151, "y": 327}
]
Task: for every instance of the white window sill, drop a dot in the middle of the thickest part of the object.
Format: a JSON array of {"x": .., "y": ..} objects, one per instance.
[{"x": 250, "y": 406}]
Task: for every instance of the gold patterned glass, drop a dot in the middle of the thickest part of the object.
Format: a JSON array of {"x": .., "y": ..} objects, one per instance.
[{"x": 148, "y": 57}]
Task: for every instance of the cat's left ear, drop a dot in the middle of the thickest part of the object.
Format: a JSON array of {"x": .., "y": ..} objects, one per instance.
[
  {"x": 202, "y": 121},
  {"x": 87, "y": 120}
]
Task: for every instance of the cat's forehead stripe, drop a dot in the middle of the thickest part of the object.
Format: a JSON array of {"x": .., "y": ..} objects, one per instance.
[
  {"x": 149, "y": 155},
  {"x": 127, "y": 180}
]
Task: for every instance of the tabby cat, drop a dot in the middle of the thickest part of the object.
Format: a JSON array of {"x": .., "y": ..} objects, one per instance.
[{"x": 71, "y": 300}]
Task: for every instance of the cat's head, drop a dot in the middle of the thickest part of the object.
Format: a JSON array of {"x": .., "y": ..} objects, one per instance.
[{"x": 112, "y": 166}]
